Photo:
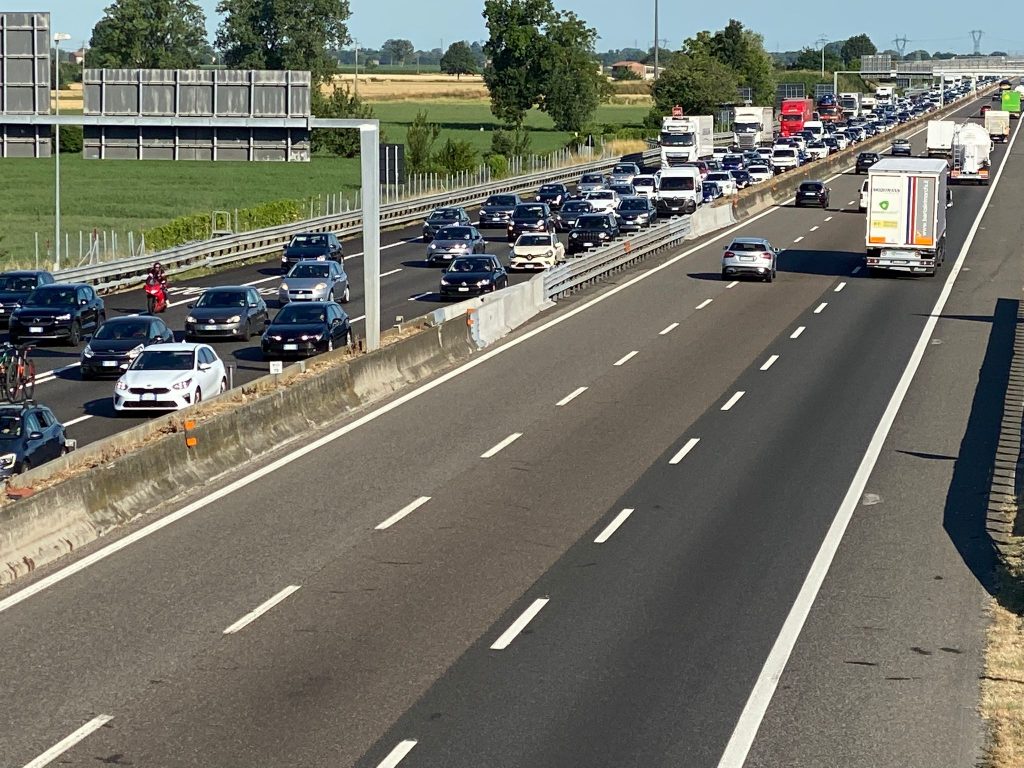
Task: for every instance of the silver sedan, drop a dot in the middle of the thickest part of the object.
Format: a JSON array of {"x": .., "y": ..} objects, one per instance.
[
  {"x": 450, "y": 242},
  {"x": 314, "y": 281}
]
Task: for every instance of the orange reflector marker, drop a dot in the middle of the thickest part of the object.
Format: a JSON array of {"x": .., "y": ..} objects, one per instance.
[
  {"x": 191, "y": 442},
  {"x": 190, "y": 424}
]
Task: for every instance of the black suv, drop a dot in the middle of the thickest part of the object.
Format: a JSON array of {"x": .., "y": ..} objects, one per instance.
[
  {"x": 591, "y": 230},
  {"x": 813, "y": 193},
  {"x": 318, "y": 246},
  {"x": 497, "y": 209},
  {"x": 15, "y": 287},
  {"x": 553, "y": 194},
  {"x": 865, "y": 160},
  {"x": 58, "y": 311},
  {"x": 530, "y": 217},
  {"x": 30, "y": 435}
]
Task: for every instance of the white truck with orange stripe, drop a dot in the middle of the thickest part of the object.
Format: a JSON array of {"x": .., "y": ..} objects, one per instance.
[{"x": 906, "y": 214}]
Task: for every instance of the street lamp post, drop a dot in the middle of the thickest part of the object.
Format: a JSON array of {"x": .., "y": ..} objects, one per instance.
[
  {"x": 58, "y": 38},
  {"x": 655, "y": 39}
]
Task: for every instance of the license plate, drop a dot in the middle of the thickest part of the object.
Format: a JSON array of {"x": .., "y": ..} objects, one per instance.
[
  {"x": 2, "y": 311},
  {"x": 109, "y": 363},
  {"x": 464, "y": 288},
  {"x": 291, "y": 347},
  {"x": 209, "y": 327},
  {"x": 588, "y": 245},
  {"x": 149, "y": 397},
  {"x": 746, "y": 258},
  {"x": 35, "y": 330}
]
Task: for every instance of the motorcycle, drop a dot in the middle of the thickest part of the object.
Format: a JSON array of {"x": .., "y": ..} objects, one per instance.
[{"x": 156, "y": 299}]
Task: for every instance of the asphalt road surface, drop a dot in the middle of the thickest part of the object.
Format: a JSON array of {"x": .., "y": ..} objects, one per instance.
[{"x": 579, "y": 550}]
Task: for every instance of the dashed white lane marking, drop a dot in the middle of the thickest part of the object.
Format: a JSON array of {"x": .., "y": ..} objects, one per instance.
[
  {"x": 519, "y": 625},
  {"x": 820, "y": 308},
  {"x": 501, "y": 446},
  {"x": 625, "y": 359},
  {"x": 46, "y": 376},
  {"x": 419, "y": 296},
  {"x": 391, "y": 272},
  {"x": 799, "y": 239},
  {"x": 613, "y": 526},
  {"x": 704, "y": 303},
  {"x": 690, "y": 445},
  {"x": 384, "y": 248},
  {"x": 814, "y": 228},
  {"x": 669, "y": 329},
  {"x": 396, "y": 755},
  {"x": 855, "y": 270},
  {"x": 79, "y": 420},
  {"x": 68, "y": 742},
  {"x": 733, "y": 284},
  {"x": 797, "y": 332},
  {"x": 851, "y": 202},
  {"x": 840, "y": 287},
  {"x": 408, "y": 509},
  {"x": 357, "y": 319},
  {"x": 828, "y": 218},
  {"x": 769, "y": 362},
  {"x": 571, "y": 396},
  {"x": 254, "y": 614},
  {"x": 733, "y": 400}
]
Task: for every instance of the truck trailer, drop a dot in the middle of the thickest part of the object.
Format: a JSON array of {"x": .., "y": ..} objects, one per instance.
[
  {"x": 752, "y": 127},
  {"x": 686, "y": 139},
  {"x": 906, "y": 215},
  {"x": 850, "y": 104},
  {"x": 940, "y": 138},
  {"x": 972, "y": 153},
  {"x": 997, "y": 123},
  {"x": 793, "y": 114},
  {"x": 1011, "y": 104}
]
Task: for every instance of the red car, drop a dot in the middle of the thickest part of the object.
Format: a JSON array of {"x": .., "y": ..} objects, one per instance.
[{"x": 985, "y": 108}]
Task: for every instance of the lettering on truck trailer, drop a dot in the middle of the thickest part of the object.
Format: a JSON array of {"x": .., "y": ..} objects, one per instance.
[{"x": 922, "y": 210}]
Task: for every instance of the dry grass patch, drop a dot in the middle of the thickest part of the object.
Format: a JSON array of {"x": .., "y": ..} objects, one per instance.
[{"x": 626, "y": 146}]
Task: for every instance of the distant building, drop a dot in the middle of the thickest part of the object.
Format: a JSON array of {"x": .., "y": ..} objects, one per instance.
[
  {"x": 78, "y": 57},
  {"x": 642, "y": 71}
]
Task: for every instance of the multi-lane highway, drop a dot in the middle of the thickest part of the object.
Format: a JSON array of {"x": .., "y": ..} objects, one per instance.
[{"x": 585, "y": 547}]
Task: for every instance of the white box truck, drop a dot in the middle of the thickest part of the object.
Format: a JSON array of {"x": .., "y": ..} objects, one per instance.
[
  {"x": 906, "y": 216},
  {"x": 972, "y": 152},
  {"x": 753, "y": 127},
  {"x": 686, "y": 139},
  {"x": 884, "y": 94},
  {"x": 997, "y": 123},
  {"x": 849, "y": 102},
  {"x": 940, "y": 138}
]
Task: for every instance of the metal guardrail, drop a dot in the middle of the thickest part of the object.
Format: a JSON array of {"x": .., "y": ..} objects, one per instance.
[{"x": 260, "y": 243}]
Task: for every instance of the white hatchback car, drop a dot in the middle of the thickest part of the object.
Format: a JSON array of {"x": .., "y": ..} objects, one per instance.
[
  {"x": 603, "y": 200},
  {"x": 725, "y": 180},
  {"x": 169, "y": 377},
  {"x": 759, "y": 173},
  {"x": 536, "y": 250}
]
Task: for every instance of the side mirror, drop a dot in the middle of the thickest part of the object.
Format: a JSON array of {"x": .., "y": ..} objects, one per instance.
[
  {"x": 192, "y": 305},
  {"x": 253, "y": 304},
  {"x": 204, "y": 366},
  {"x": 83, "y": 302},
  {"x": 35, "y": 436}
]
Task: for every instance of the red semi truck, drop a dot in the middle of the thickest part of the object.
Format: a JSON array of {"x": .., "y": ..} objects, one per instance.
[{"x": 793, "y": 114}]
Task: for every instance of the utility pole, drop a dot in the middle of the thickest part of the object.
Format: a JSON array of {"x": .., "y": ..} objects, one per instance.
[
  {"x": 821, "y": 42},
  {"x": 976, "y": 37},
  {"x": 901, "y": 45},
  {"x": 356, "y": 91},
  {"x": 655, "y": 40}
]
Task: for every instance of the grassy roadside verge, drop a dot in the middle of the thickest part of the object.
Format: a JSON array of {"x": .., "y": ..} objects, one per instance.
[{"x": 1002, "y": 688}]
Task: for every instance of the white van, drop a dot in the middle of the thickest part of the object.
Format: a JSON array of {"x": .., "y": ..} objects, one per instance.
[
  {"x": 679, "y": 190},
  {"x": 863, "y": 196},
  {"x": 816, "y": 127}
]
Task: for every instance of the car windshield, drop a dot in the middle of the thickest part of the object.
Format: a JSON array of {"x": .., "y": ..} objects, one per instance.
[
  {"x": 123, "y": 329},
  {"x": 164, "y": 360},
  {"x": 810, "y": 187},
  {"x": 455, "y": 233},
  {"x": 534, "y": 240},
  {"x": 52, "y": 297},
  {"x": 623, "y": 169},
  {"x": 17, "y": 283},
  {"x": 577, "y": 206},
  {"x": 445, "y": 214},
  {"x": 471, "y": 265},
  {"x": 311, "y": 271},
  {"x": 742, "y": 246},
  {"x": 759, "y": 169},
  {"x": 216, "y": 299},
  {"x": 309, "y": 241},
  {"x": 784, "y": 153},
  {"x": 676, "y": 140},
  {"x": 10, "y": 426},
  {"x": 593, "y": 222},
  {"x": 602, "y": 194},
  {"x": 676, "y": 183},
  {"x": 300, "y": 314},
  {"x": 643, "y": 181},
  {"x": 501, "y": 200},
  {"x": 633, "y": 205},
  {"x": 709, "y": 188},
  {"x": 592, "y": 178},
  {"x": 552, "y": 188},
  {"x": 528, "y": 211}
]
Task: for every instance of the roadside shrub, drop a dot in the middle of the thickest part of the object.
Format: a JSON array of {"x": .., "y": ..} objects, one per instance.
[
  {"x": 196, "y": 226},
  {"x": 498, "y": 165},
  {"x": 71, "y": 139}
]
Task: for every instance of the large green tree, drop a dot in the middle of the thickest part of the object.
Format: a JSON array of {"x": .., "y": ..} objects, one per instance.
[
  {"x": 459, "y": 60},
  {"x": 857, "y": 47},
  {"x": 743, "y": 51},
  {"x": 397, "y": 51},
  {"x": 149, "y": 34},
  {"x": 340, "y": 104},
  {"x": 283, "y": 34},
  {"x": 696, "y": 81},
  {"x": 574, "y": 85},
  {"x": 516, "y": 49},
  {"x": 809, "y": 58}
]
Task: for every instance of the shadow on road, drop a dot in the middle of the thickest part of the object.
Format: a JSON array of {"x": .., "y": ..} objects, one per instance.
[{"x": 815, "y": 262}]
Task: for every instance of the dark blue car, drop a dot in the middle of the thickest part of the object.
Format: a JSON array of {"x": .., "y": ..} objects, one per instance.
[{"x": 30, "y": 435}]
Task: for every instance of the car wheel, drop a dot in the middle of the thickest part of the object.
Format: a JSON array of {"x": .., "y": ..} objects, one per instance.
[
  {"x": 75, "y": 334},
  {"x": 223, "y": 387},
  {"x": 330, "y": 296},
  {"x": 246, "y": 333},
  {"x": 198, "y": 397},
  {"x": 330, "y": 345},
  {"x": 346, "y": 295},
  {"x": 769, "y": 277},
  {"x": 26, "y": 465}
]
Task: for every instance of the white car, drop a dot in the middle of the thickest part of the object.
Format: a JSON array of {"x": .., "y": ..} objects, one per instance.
[
  {"x": 169, "y": 377},
  {"x": 784, "y": 158},
  {"x": 759, "y": 173},
  {"x": 766, "y": 153},
  {"x": 842, "y": 139},
  {"x": 536, "y": 251},
  {"x": 817, "y": 150},
  {"x": 719, "y": 152},
  {"x": 646, "y": 185},
  {"x": 863, "y": 196},
  {"x": 725, "y": 180},
  {"x": 603, "y": 200}
]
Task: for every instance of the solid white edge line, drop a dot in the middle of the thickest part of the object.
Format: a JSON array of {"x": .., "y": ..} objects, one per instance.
[
  {"x": 761, "y": 695},
  {"x": 733, "y": 284},
  {"x": 261, "y": 609},
  {"x": 704, "y": 303},
  {"x": 78, "y": 420},
  {"x": 289, "y": 459},
  {"x": 626, "y": 358},
  {"x": 690, "y": 445},
  {"x": 519, "y": 625},
  {"x": 733, "y": 400},
  {"x": 501, "y": 446},
  {"x": 396, "y": 755},
  {"x": 571, "y": 396},
  {"x": 403, "y": 512},
  {"x": 820, "y": 308},
  {"x": 769, "y": 362},
  {"x": 613, "y": 526},
  {"x": 797, "y": 332},
  {"x": 840, "y": 287},
  {"x": 68, "y": 742},
  {"x": 668, "y": 330}
]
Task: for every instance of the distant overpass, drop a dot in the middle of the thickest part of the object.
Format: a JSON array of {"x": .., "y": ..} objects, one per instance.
[{"x": 996, "y": 66}]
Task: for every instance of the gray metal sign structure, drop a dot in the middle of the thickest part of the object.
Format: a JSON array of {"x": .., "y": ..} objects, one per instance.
[
  {"x": 24, "y": 82},
  {"x": 258, "y": 95}
]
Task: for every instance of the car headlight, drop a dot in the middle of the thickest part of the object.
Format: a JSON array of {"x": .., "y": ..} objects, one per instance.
[
  {"x": 235, "y": 319},
  {"x": 58, "y": 318},
  {"x": 121, "y": 386},
  {"x": 132, "y": 354},
  {"x": 320, "y": 286},
  {"x": 444, "y": 282},
  {"x": 461, "y": 247},
  {"x": 642, "y": 217},
  {"x": 87, "y": 352},
  {"x": 433, "y": 246},
  {"x": 276, "y": 336},
  {"x": 574, "y": 235},
  {"x": 284, "y": 286},
  {"x": 485, "y": 281},
  {"x": 182, "y": 385},
  {"x": 602, "y": 235},
  {"x": 190, "y": 319},
  {"x": 550, "y": 252},
  {"x": 7, "y": 460}
]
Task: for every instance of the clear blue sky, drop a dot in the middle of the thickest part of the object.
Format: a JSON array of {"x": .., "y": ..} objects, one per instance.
[{"x": 933, "y": 25}]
